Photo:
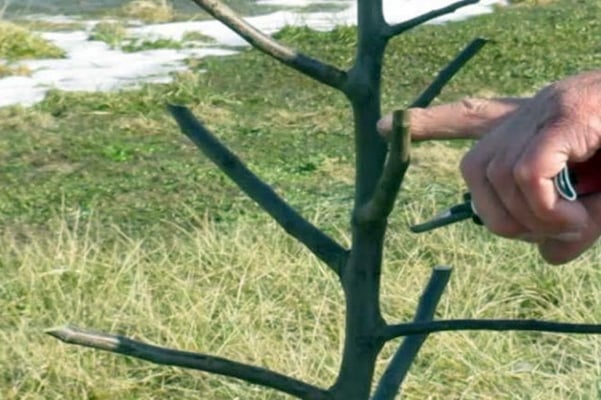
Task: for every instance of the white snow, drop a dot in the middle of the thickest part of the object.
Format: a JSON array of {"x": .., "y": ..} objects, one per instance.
[{"x": 94, "y": 66}]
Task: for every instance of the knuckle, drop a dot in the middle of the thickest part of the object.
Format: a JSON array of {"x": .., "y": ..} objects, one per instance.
[
  {"x": 505, "y": 227},
  {"x": 473, "y": 107},
  {"x": 523, "y": 173},
  {"x": 499, "y": 175},
  {"x": 501, "y": 223}
]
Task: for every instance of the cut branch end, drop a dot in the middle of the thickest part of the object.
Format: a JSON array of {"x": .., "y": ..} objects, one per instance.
[
  {"x": 381, "y": 204},
  {"x": 178, "y": 358}
]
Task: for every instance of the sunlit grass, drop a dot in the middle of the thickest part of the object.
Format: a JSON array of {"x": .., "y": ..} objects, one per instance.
[
  {"x": 111, "y": 32},
  {"x": 112, "y": 220},
  {"x": 19, "y": 43},
  {"x": 150, "y": 10},
  {"x": 13, "y": 70},
  {"x": 248, "y": 292}
]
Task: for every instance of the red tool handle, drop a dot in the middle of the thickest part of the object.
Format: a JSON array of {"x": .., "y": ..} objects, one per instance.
[{"x": 580, "y": 179}]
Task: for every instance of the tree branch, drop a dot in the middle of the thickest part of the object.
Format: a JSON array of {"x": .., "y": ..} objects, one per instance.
[
  {"x": 403, "y": 358},
  {"x": 324, "y": 247},
  {"x": 316, "y": 69},
  {"x": 396, "y": 29},
  {"x": 382, "y": 202},
  {"x": 420, "y": 328},
  {"x": 202, "y": 362},
  {"x": 447, "y": 73}
]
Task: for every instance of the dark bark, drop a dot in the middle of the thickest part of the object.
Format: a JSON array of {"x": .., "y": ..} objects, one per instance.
[
  {"x": 381, "y": 204},
  {"x": 316, "y": 69},
  {"x": 397, "y": 369},
  {"x": 378, "y": 178},
  {"x": 361, "y": 276},
  {"x": 202, "y": 362},
  {"x": 528, "y": 325},
  {"x": 324, "y": 247},
  {"x": 448, "y": 72},
  {"x": 397, "y": 29}
]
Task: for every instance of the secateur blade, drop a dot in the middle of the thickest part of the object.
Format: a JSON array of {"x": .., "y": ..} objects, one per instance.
[{"x": 457, "y": 213}]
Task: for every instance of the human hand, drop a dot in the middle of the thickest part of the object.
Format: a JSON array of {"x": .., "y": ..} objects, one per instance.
[{"x": 524, "y": 144}]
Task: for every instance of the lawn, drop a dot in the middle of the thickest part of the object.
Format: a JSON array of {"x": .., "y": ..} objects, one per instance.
[{"x": 111, "y": 219}]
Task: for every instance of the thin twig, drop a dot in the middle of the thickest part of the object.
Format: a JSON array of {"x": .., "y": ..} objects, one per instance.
[
  {"x": 382, "y": 202},
  {"x": 324, "y": 247},
  {"x": 397, "y": 29},
  {"x": 420, "y": 328},
  {"x": 398, "y": 367},
  {"x": 445, "y": 75},
  {"x": 316, "y": 69},
  {"x": 202, "y": 362}
]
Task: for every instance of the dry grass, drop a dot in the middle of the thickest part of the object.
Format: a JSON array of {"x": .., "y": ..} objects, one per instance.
[
  {"x": 150, "y": 10},
  {"x": 241, "y": 288},
  {"x": 531, "y": 2},
  {"x": 18, "y": 43},
  {"x": 11, "y": 70},
  {"x": 250, "y": 293},
  {"x": 246, "y": 293}
]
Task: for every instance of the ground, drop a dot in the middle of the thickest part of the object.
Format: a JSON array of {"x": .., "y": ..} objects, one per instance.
[{"x": 111, "y": 219}]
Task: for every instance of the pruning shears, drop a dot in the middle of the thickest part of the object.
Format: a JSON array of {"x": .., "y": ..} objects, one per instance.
[{"x": 573, "y": 181}]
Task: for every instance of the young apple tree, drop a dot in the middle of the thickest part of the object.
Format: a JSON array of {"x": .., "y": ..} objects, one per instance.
[{"x": 379, "y": 171}]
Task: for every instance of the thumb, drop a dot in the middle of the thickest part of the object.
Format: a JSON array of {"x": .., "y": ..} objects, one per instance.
[{"x": 470, "y": 118}]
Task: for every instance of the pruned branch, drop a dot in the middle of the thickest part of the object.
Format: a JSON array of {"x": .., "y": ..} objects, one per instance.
[
  {"x": 382, "y": 202},
  {"x": 397, "y": 29},
  {"x": 403, "y": 358},
  {"x": 448, "y": 72},
  {"x": 202, "y": 362},
  {"x": 324, "y": 247},
  {"x": 420, "y": 328},
  {"x": 316, "y": 69}
]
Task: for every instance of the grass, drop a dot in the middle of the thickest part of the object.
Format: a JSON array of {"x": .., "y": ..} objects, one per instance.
[
  {"x": 149, "y": 10},
  {"x": 115, "y": 35},
  {"x": 13, "y": 70},
  {"x": 41, "y": 25},
  {"x": 112, "y": 33},
  {"x": 17, "y": 43},
  {"x": 112, "y": 220}
]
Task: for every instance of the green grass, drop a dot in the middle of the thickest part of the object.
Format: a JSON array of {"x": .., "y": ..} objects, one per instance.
[
  {"x": 115, "y": 35},
  {"x": 111, "y": 219},
  {"x": 112, "y": 33},
  {"x": 17, "y": 43}
]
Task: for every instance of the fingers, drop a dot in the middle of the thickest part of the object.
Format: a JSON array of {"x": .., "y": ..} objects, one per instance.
[
  {"x": 467, "y": 119},
  {"x": 470, "y": 118},
  {"x": 385, "y": 125},
  {"x": 534, "y": 172},
  {"x": 556, "y": 251},
  {"x": 489, "y": 206}
]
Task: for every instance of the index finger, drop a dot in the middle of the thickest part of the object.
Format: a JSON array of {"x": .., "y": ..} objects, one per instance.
[{"x": 470, "y": 118}]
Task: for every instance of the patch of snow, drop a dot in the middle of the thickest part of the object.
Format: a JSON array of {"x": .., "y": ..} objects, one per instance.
[
  {"x": 300, "y": 3},
  {"x": 94, "y": 66},
  {"x": 20, "y": 90},
  {"x": 395, "y": 12}
]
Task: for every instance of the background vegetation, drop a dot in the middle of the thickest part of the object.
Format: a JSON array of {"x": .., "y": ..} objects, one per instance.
[
  {"x": 18, "y": 43},
  {"x": 111, "y": 219}
]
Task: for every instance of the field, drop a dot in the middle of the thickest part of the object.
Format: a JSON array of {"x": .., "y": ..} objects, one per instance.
[{"x": 111, "y": 219}]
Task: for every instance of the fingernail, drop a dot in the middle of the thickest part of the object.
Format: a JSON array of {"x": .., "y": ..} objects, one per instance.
[
  {"x": 567, "y": 236},
  {"x": 384, "y": 125}
]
